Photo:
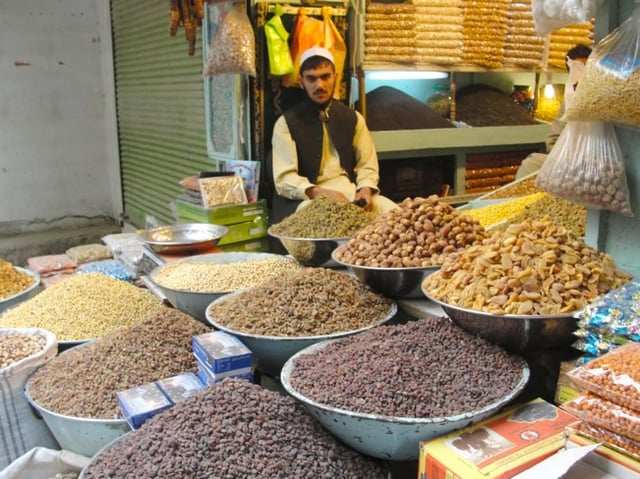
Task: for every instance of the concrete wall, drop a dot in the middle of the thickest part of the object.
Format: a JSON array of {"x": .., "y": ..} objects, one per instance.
[{"x": 58, "y": 149}]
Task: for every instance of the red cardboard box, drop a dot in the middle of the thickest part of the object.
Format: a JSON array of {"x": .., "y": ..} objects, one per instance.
[{"x": 499, "y": 447}]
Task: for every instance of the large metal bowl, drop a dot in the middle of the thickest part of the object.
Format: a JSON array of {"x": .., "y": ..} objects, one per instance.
[
  {"x": 183, "y": 238},
  {"x": 195, "y": 303},
  {"x": 85, "y": 436},
  {"x": 401, "y": 283},
  {"x": 514, "y": 332},
  {"x": 314, "y": 252},
  {"x": 388, "y": 437},
  {"x": 272, "y": 352},
  {"x": 23, "y": 295}
]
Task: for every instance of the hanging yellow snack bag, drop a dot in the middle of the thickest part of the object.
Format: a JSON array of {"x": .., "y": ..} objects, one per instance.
[{"x": 280, "y": 61}]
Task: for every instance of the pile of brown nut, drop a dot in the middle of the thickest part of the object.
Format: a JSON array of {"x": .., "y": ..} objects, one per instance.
[
  {"x": 82, "y": 381},
  {"x": 307, "y": 302},
  {"x": 422, "y": 232},
  {"x": 16, "y": 346},
  {"x": 230, "y": 430}
]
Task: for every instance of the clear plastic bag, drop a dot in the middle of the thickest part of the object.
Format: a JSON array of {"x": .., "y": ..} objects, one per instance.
[
  {"x": 223, "y": 190},
  {"x": 550, "y": 15},
  {"x": 232, "y": 49},
  {"x": 585, "y": 166},
  {"x": 610, "y": 87}
]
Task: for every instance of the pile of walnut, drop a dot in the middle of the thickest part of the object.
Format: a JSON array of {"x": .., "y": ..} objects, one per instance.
[
  {"x": 188, "y": 14},
  {"x": 420, "y": 233}
]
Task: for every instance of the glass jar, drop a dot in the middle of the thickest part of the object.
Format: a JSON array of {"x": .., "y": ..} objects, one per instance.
[
  {"x": 523, "y": 96},
  {"x": 440, "y": 100}
]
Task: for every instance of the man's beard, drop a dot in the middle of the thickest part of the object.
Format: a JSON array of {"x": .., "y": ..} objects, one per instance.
[{"x": 316, "y": 105}]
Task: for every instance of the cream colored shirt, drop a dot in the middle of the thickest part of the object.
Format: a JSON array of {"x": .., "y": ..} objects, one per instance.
[{"x": 290, "y": 184}]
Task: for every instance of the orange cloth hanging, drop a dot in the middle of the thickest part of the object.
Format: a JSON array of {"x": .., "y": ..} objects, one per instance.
[
  {"x": 308, "y": 32},
  {"x": 334, "y": 42}
]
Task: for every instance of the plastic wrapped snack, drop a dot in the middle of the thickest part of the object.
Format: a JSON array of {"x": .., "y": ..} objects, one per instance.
[
  {"x": 223, "y": 190},
  {"x": 603, "y": 413},
  {"x": 610, "y": 88},
  {"x": 51, "y": 264},
  {"x": 615, "y": 441},
  {"x": 586, "y": 166},
  {"x": 610, "y": 321},
  {"x": 550, "y": 15},
  {"x": 89, "y": 252},
  {"x": 110, "y": 267},
  {"x": 614, "y": 376}
]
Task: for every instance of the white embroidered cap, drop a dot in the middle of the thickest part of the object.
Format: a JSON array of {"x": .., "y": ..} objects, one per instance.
[{"x": 316, "y": 52}]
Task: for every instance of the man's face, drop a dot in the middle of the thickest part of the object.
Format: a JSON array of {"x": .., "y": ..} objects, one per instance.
[{"x": 319, "y": 82}]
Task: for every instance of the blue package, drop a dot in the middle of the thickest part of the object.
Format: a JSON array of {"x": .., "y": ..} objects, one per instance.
[
  {"x": 221, "y": 351},
  {"x": 142, "y": 402},
  {"x": 110, "y": 267}
]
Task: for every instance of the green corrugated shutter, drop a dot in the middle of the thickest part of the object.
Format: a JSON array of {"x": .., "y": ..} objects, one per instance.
[{"x": 160, "y": 108}]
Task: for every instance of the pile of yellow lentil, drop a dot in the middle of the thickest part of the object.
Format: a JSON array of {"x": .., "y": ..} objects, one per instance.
[
  {"x": 84, "y": 306},
  {"x": 493, "y": 214}
]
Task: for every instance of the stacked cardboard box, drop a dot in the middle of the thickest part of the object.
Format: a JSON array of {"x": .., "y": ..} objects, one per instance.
[
  {"x": 247, "y": 223},
  {"x": 221, "y": 355}
]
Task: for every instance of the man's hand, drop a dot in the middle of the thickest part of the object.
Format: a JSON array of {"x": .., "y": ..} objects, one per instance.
[
  {"x": 315, "y": 191},
  {"x": 363, "y": 198}
]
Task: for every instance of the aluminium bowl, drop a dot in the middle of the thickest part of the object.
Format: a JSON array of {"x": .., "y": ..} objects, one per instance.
[
  {"x": 84, "y": 436},
  {"x": 514, "y": 332},
  {"x": 273, "y": 351},
  {"x": 183, "y": 238},
  {"x": 400, "y": 283},
  {"x": 389, "y": 437},
  {"x": 194, "y": 303},
  {"x": 23, "y": 295},
  {"x": 314, "y": 252}
]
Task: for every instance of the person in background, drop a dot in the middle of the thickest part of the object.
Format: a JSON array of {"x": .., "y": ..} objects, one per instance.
[
  {"x": 322, "y": 147},
  {"x": 575, "y": 62}
]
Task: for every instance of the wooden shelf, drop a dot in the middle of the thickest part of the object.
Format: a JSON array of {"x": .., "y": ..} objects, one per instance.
[
  {"x": 428, "y": 142},
  {"x": 458, "y": 142},
  {"x": 459, "y": 68}
]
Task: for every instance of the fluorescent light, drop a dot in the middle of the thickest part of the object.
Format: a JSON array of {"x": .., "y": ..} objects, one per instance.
[{"x": 405, "y": 75}]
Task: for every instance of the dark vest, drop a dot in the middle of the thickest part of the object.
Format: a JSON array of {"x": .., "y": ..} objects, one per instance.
[{"x": 305, "y": 127}]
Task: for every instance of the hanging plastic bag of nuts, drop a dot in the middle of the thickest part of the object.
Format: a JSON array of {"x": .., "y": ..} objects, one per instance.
[
  {"x": 585, "y": 166},
  {"x": 232, "y": 48},
  {"x": 610, "y": 87}
]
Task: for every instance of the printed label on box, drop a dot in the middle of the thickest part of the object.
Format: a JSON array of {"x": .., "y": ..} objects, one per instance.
[
  {"x": 221, "y": 351},
  {"x": 180, "y": 387},
  {"x": 499, "y": 447},
  {"x": 142, "y": 402}
]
